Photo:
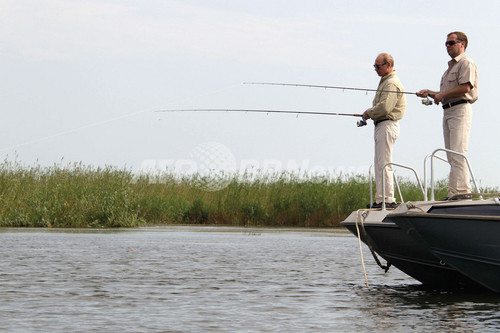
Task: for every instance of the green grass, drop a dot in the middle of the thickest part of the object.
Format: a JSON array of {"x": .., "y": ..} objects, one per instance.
[{"x": 78, "y": 196}]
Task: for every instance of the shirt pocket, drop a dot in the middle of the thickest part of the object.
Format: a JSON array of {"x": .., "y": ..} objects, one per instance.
[{"x": 453, "y": 77}]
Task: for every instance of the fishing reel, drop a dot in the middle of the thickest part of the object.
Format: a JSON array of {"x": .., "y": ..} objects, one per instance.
[
  {"x": 361, "y": 123},
  {"x": 427, "y": 101}
]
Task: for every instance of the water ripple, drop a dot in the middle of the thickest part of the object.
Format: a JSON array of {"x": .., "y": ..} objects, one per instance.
[{"x": 191, "y": 280}]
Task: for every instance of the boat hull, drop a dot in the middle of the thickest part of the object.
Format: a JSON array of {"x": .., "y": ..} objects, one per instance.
[
  {"x": 470, "y": 244},
  {"x": 400, "y": 249}
]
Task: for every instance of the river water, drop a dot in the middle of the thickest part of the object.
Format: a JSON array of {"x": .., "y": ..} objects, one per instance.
[{"x": 194, "y": 279}]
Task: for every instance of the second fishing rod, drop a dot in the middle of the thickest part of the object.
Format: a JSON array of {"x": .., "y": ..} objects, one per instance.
[
  {"x": 426, "y": 101},
  {"x": 359, "y": 123}
]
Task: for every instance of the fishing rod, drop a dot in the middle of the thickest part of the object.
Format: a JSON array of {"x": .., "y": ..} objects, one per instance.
[
  {"x": 426, "y": 101},
  {"x": 360, "y": 123}
]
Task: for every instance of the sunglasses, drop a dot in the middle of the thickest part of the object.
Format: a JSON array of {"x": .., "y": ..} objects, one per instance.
[
  {"x": 452, "y": 42},
  {"x": 378, "y": 66}
]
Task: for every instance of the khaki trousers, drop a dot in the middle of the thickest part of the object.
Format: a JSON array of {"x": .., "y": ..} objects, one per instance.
[
  {"x": 385, "y": 136},
  {"x": 456, "y": 130}
]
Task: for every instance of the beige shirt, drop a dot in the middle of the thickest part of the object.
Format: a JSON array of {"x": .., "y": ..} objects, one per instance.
[
  {"x": 389, "y": 101},
  {"x": 460, "y": 70}
]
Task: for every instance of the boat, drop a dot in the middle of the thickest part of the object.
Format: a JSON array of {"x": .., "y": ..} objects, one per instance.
[
  {"x": 464, "y": 234},
  {"x": 389, "y": 234},
  {"x": 398, "y": 248}
]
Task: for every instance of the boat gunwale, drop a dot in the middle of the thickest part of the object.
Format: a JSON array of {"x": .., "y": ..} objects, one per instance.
[{"x": 491, "y": 218}]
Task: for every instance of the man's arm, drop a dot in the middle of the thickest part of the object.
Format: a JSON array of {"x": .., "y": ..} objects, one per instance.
[
  {"x": 458, "y": 91},
  {"x": 438, "y": 96},
  {"x": 427, "y": 93}
]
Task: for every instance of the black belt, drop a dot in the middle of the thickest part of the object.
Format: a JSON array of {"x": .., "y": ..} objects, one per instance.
[
  {"x": 449, "y": 105},
  {"x": 376, "y": 122}
]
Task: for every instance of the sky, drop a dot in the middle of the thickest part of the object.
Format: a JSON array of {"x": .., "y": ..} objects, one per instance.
[{"x": 82, "y": 82}]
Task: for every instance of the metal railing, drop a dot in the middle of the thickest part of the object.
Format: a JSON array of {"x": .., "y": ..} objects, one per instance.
[
  {"x": 370, "y": 177},
  {"x": 424, "y": 188},
  {"x": 433, "y": 155},
  {"x": 426, "y": 183},
  {"x": 399, "y": 190},
  {"x": 370, "y": 172}
]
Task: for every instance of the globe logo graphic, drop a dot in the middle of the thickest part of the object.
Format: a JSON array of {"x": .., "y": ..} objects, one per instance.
[{"x": 216, "y": 165}]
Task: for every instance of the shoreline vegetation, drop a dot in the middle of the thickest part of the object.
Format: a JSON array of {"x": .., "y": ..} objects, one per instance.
[{"x": 79, "y": 196}]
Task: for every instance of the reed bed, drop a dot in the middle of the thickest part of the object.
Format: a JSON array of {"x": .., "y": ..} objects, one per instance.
[{"x": 79, "y": 196}]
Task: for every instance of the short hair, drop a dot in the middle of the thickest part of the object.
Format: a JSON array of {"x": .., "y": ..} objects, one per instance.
[
  {"x": 460, "y": 36},
  {"x": 387, "y": 58}
]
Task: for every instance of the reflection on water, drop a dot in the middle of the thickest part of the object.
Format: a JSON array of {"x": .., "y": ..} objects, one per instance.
[{"x": 185, "y": 279}]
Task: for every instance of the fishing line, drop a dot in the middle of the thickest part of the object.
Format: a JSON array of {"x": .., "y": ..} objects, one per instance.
[
  {"x": 76, "y": 129},
  {"x": 265, "y": 111},
  {"x": 110, "y": 120}
]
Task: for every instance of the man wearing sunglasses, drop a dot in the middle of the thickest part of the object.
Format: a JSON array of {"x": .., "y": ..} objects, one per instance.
[
  {"x": 458, "y": 90},
  {"x": 388, "y": 107}
]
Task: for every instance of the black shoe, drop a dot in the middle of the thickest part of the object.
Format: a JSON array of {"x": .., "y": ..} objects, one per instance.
[
  {"x": 391, "y": 205},
  {"x": 458, "y": 197},
  {"x": 376, "y": 205}
]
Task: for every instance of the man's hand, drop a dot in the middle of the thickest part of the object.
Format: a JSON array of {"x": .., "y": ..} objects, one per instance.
[
  {"x": 438, "y": 98},
  {"x": 425, "y": 93},
  {"x": 365, "y": 115}
]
